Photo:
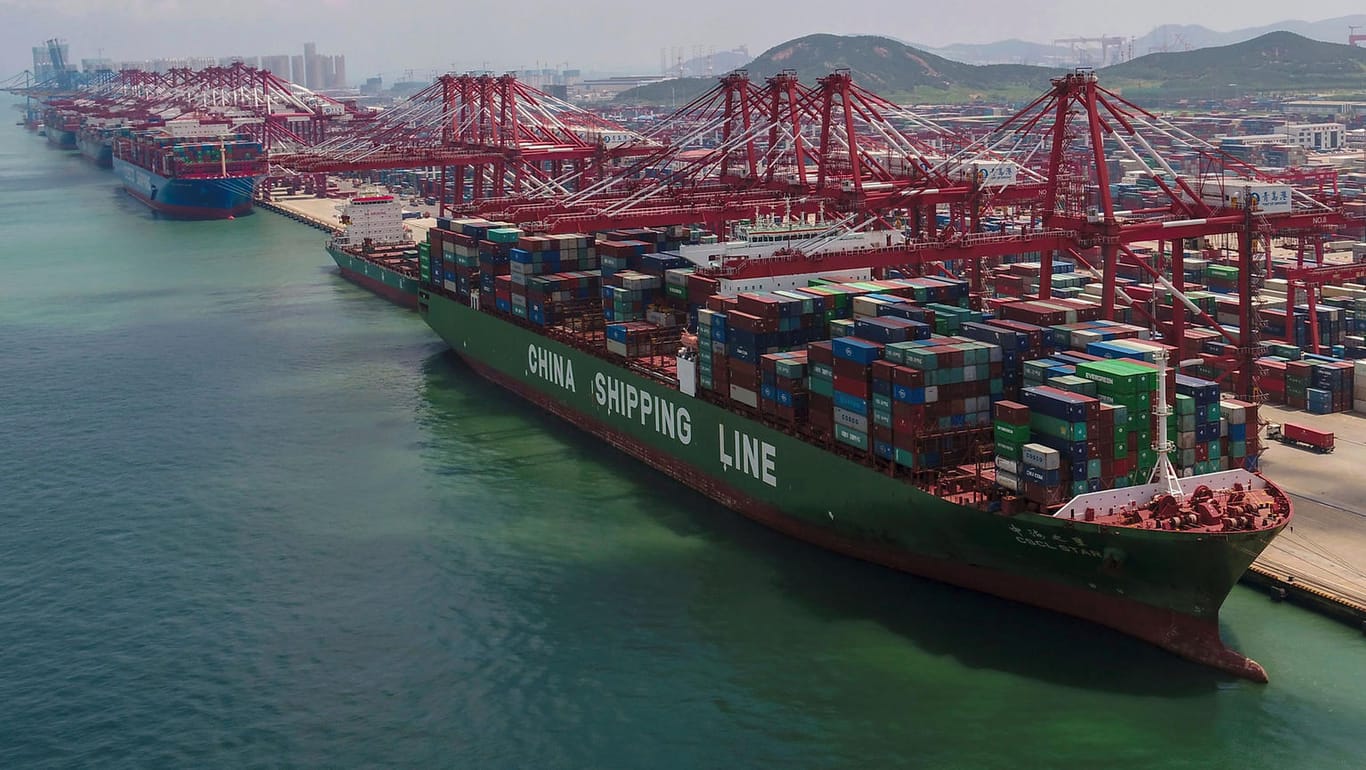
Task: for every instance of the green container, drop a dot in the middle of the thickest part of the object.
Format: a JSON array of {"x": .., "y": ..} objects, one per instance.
[
  {"x": 905, "y": 458},
  {"x": 1184, "y": 405},
  {"x": 882, "y": 402},
  {"x": 882, "y": 418},
  {"x": 821, "y": 387},
  {"x": 1012, "y": 434},
  {"x": 1052, "y": 426},
  {"x": 791, "y": 369},
  {"x": 823, "y": 371},
  {"x": 851, "y": 437},
  {"x": 1010, "y": 451}
]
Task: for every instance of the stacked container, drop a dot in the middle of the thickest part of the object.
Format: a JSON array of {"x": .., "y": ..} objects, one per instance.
[
  {"x": 1131, "y": 386},
  {"x": 852, "y": 394},
  {"x": 782, "y": 394},
  {"x": 1198, "y": 429}
]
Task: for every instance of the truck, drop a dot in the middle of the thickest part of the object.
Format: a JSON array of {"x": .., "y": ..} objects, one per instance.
[{"x": 1320, "y": 441}]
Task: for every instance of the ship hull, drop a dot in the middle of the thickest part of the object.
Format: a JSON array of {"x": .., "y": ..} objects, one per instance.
[
  {"x": 1165, "y": 588},
  {"x": 187, "y": 198},
  {"x": 395, "y": 287},
  {"x": 98, "y": 150},
  {"x": 64, "y": 140}
]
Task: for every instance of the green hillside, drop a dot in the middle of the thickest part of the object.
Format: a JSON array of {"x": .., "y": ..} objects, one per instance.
[
  {"x": 887, "y": 67},
  {"x": 1274, "y": 62}
]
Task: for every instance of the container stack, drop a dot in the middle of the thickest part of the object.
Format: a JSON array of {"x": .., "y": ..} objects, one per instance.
[
  {"x": 1131, "y": 386},
  {"x": 1198, "y": 425},
  {"x": 424, "y": 262},
  {"x": 633, "y": 339},
  {"x": 1298, "y": 375},
  {"x": 555, "y": 298},
  {"x": 933, "y": 396},
  {"x": 852, "y": 395},
  {"x": 820, "y": 385},
  {"x": 782, "y": 393},
  {"x": 1332, "y": 387},
  {"x": 1221, "y": 279},
  {"x": 627, "y": 294},
  {"x": 620, "y": 255},
  {"x": 1239, "y": 428},
  {"x": 1071, "y": 424},
  {"x": 711, "y": 349},
  {"x": 1011, "y": 433}
]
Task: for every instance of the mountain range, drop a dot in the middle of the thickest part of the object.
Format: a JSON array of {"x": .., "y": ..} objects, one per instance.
[
  {"x": 1167, "y": 38},
  {"x": 1278, "y": 62}
]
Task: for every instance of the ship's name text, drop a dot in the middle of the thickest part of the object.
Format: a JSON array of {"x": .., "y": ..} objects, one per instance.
[
  {"x": 551, "y": 367},
  {"x": 746, "y": 454},
  {"x": 623, "y": 398}
]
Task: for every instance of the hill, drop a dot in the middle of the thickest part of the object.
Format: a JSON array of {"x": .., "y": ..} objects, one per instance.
[
  {"x": 1183, "y": 37},
  {"x": 890, "y": 68},
  {"x": 1274, "y": 62}
]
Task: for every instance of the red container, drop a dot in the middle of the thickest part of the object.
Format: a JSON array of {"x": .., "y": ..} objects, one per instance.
[{"x": 1318, "y": 439}]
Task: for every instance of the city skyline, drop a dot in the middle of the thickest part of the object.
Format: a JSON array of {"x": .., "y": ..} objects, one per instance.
[{"x": 317, "y": 72}]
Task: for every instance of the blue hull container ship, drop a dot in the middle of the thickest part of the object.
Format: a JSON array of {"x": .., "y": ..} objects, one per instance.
[{"x": 191, "y": 172}]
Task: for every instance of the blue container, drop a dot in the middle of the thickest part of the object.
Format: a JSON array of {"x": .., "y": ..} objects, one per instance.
[
  {"x": 851, "y": 403},
  {"x": 1237, "y": 432},
  {"x": 908, "y": 395},
  {"x": 855, "y": 349},
  {"x": 1041, "y": 476},
  {"x": 1060, "y": 405}
]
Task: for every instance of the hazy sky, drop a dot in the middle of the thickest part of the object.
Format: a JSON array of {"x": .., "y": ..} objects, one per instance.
[{"x": 377, "y": 36}]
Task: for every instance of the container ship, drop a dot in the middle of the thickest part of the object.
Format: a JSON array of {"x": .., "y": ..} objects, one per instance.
[
  {"x": 95, "y": 140},
  {"x": 375, "y": 249},
  {"x": 60, "y": 127},
  {"x": 190, "y": 172},
  {"x": 1023, "y": 452}
]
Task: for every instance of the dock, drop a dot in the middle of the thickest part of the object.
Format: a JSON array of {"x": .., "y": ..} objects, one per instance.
[
  {"x": 319, "y": 213},
  {"x": 1319, "y": 561}
]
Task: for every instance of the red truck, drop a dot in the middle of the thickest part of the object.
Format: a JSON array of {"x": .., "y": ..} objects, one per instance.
[{"x": 1320, "y": 441}]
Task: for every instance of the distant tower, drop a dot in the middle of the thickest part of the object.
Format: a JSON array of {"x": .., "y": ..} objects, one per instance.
[{"x": 313, "y": 74}]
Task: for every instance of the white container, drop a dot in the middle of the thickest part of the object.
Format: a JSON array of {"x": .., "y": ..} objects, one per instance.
[
  {"x": 851, "y": 420},
  {"x": 745, "y": 396},
  {"x": 1040, "y": 456},
  {"x": 1008, "y": 480}
]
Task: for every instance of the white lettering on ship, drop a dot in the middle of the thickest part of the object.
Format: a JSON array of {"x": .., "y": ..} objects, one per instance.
[
  {"x": 749, "y": 455},
  {"x": 1037, "y": 539},
  {"x": 551, "y": 367},
  {"x": 623, "y": 398}
]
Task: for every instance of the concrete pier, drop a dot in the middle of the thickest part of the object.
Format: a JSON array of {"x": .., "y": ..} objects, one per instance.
[{"x": 1320, "y": 561}]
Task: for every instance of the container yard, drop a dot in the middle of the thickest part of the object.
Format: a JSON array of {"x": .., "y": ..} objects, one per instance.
[{"x": 1076, "y": 321}]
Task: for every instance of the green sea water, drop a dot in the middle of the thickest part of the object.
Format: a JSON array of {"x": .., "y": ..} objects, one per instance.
[{"x": 254, "y": 516}]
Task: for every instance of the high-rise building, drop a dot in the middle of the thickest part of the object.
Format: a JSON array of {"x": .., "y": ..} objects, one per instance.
[
  {"x": 326, "y": 72},
  {"x": 313, "y": 75},
  {"x": 296, "y": 66},
  {"x": 340, "y": 66},
  {"x": 278, "y": 65}
]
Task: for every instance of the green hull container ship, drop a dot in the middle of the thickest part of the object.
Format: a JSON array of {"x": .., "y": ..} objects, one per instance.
[
  {"x": 1163, "y": 586},
  {"x": 375, "y": 250}
]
